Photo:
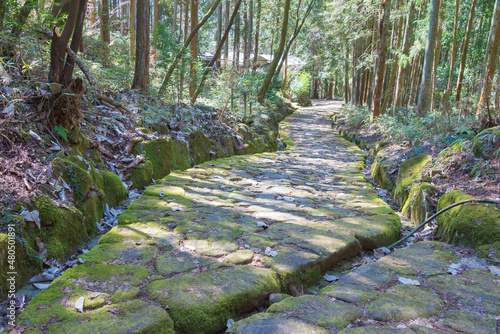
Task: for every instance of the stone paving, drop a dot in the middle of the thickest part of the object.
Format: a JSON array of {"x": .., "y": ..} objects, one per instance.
[{"x": 212, "y": 243}]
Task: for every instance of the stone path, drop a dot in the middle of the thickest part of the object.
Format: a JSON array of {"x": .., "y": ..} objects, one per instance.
[{"x": 210, "y": 244}]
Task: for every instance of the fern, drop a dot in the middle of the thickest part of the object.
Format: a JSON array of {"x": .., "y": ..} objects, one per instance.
[{"x": 62, "y": 132}]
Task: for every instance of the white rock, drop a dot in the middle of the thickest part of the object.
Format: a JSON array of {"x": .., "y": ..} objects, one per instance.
[
  {"x": 270, "y": 252},
  {"x": 408, "y": 281},
  {"x": 79, "y": 304},
  {"x": 330, "y": 278}
]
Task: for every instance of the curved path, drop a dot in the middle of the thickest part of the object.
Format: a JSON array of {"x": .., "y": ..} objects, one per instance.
[{"x": 212, "y": 243}]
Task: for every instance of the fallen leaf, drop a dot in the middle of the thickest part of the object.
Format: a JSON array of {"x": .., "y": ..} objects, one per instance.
[
  {"x": 41, "y": 286},
  {"x": 330, "y": 278},
  {"x": 270, "y": 252},
  {"x": 408, "y": 281},
  {"x": 79, "y": 304},
  {"x": 33, "y": 216},
  {"x": 229, "y": 323}
]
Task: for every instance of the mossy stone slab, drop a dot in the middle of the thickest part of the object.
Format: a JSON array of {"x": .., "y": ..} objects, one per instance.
[
  {"x": 181, "y": 262},
  {"x": 405, "y": 302},
  {"x": 203, "y": 303},
  {"x": 265, "y": 323},
  {"x": 470, "y": 323},
  {"x": 135, "y": 316},
  {"x": 318, "y": 310},
  {"x": 142, "y": 175},
  {"x": 419, "y": 329},
  {"x": 240, "y": 257},
  {"x": 428, "y": 258},
  {"x": 417, "y": 206},
  {"x": 181, "y": 159},
  {"x": 349, "y": 293},
  {"x": 200, "y": 146},
  {"x": 410, "y": 171},
  {"x": 474, "y": 288},
  {"x": 121, "y": 253},
  {"x": 372, "y": 276},
  {"x": 376, "y": 330}
]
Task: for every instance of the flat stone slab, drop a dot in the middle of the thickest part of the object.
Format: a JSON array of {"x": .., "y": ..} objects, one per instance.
[
  {"x": 203, "y": 303},
  {"x": 405, "y": 302},
  {"x": 265, "y": 323},
  {"x": 319, "y": 310}
]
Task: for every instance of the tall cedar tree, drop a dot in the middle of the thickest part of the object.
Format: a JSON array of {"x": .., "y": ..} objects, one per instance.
[{"x": 141, "y": 74}]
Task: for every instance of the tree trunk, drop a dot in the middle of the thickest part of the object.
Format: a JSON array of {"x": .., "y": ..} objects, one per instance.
[
  {"x": 156, "y": 19},
  {"x": 491, "y": 59},
  {"x": 346, "y": 74},
  {"x": 249, "y": 30},
  {"x": 141, "y": 75},
  {"x": 379, "y": 77},
  {"x": 60, "y": 41},
  {"x": 76, "y": 43},
  {"x": 174, "y": 18},
  {"x": 219, "y": 31},
  {"x": 194, "y": 48},
  {"x": 425, "y": 97},
  {"x": 437, "y": 53},
  {"x": 236, "y": 49},
  {"x": 131, "y": 24},
  {"x": 447, "y": 92},
  {"x": 257, "y": 31},
  {"x": 105, "y": 33},
  {"x": 394, "y": 67},
  {"x": 464, "y": 51},
  {"x": 226, "y": 46},
  {"x": 274, "y": 64}
]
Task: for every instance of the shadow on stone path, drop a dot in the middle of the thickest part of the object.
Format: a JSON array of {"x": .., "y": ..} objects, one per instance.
[{"x": 212, "y": 243}]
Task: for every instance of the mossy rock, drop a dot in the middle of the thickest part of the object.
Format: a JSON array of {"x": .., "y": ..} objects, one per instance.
[
  {"x": 260, "y": 145},
  {"x": 377, "y": 147},
  {"x": 200, "y": 146},
  {"x": 96, "y": 157},
  {"x": 75, "y": 176},
  {"x": 203, "y": 303},
  {"x": 62, "y": 229},
  {"x": 468, "y": 224},
  {"x": 380, "y": 172},
  {"x": 181, "y": 159},
  {"x": 227, "y": 144},
  {"x": 92, "y": 210},
  {"x": 26, "y": 262},
  {"x": 418, "y": 206},
  {"x": 244, "y": 131},
  {"x": 142, "y": 175},
  {"x": 410, "y": 172},
  {"x": 487, "y": 143},
  {"x": 248, "y": 148},
  {"x": 159, "y": 152},
  {"x": 114, "y": 190},
  {"x": 491, "y": 251},
  {"x": 261, "y": 323},
  {"x": 79, "y": 142}
]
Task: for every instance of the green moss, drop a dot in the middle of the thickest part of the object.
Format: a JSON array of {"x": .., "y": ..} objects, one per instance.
[
  {"x": 379, "y": 173},
  {"x": 142, "y": 175},
  {"x": 468, "y": 224},
  {"x": 114, "y": 190},
  {"x": 248, "y": 148},
  {"x": 491, "y": 251},
  {"x": 203, "y": 303},
  {"x": 126, "y": 294},
  {"x": 319, "y": 310},
  {"x": 200, "y": 146},
  {"x": 159, "y": 152},
  {"x": 377, "y": 147},
  {"x": 26, "y": 263},
  {"x": 227, "y": 144},
  {"x": 62, "y": 229},
  {"x": 75, "y": 176},
  {"x": 79, "y": 142},
  {"x": 96, "y": 157},
  {"x": 417, "y": 206},
  {"x": 181, "y": 159},
  {"x": 410, "y": 171},
  {"x": 260, "y": 145},
  {"x": 92, "y": 210}
]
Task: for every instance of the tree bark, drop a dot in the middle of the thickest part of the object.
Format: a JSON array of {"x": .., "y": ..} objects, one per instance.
[
  {"x": 250, "y": 29},
  {"x": 226, "y": 45},
  {"x": 447, "y": 92},
  {"x": 60, "y": 41},
  {"x": 464, "y": 51},
  {"x": 219, "y": 31},
  {"x": 194, "y": 48},
  {"x": 425, "y": 97},
  {"x": 257, "y": 32},
  {"x": 141, "y": 74},
  {"x": 491, "y": 59},
  {"x": 437, "y": 53},
  {"x": 379, "y": 77},
  {"x": 105, "y": 33},
  {"x": 76, "y": 43},
  {"x": 274, "y": 64},
  {"x": 156, "y": 19},
  {"x": 131, "y": 24}
]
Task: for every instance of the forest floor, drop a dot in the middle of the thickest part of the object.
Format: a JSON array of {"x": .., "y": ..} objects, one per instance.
[{"x": 215, "y": 243}]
